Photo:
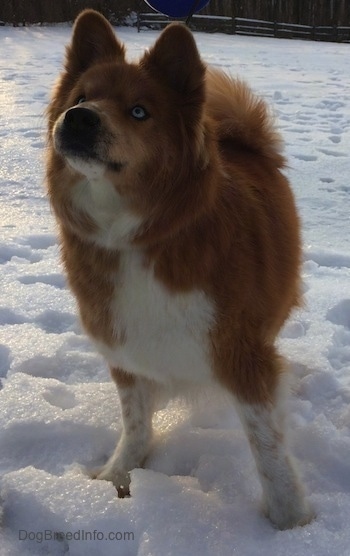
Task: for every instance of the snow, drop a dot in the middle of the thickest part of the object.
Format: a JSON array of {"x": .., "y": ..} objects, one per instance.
[{"x": 59, "y": 410}]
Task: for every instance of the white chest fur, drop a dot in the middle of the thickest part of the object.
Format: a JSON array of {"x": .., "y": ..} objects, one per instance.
[
  {"x": 166, "y": 334},
  {"x": 96, "y": 196}
]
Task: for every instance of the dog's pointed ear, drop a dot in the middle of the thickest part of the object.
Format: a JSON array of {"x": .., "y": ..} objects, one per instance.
[
  {"x": 93, "y": 41},
  {"x": 175, "y": 60}
]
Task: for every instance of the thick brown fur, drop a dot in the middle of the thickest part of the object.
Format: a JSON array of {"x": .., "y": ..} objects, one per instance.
[
  {"x": 204, "y": 174},
  {"x": 219, "y": 213}
]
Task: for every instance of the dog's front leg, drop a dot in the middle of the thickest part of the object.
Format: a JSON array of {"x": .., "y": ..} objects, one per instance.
[{"x": 137, "y": 404}]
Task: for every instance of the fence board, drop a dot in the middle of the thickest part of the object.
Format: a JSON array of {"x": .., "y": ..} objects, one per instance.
[{"x": 254, "y": 27}]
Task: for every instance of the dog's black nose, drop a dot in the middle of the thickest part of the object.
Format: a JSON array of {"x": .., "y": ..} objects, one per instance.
[{"x": 81, "y": 120}]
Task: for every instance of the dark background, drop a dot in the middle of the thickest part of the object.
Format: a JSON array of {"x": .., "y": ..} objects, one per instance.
[{"x": 306, "y": 12}]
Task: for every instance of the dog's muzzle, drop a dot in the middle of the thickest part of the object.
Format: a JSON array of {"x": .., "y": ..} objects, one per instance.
[{"x": 78, "y": 131}]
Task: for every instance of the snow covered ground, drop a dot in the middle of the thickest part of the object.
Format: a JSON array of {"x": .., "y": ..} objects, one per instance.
[{"x": 59, "y": 412}]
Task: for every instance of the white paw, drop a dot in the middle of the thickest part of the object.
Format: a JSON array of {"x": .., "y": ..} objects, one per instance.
[
  {"x": 120, "y": 479},
  {"x": 290, "y": 514}
]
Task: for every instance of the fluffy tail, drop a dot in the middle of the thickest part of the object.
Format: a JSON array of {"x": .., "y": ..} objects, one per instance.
[{"x": 242, "y": 117}]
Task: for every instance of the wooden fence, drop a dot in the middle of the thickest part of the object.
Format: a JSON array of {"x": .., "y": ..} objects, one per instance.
[
  {"x": 252, "y": 27},
  {"x": 303, "y": 12}
]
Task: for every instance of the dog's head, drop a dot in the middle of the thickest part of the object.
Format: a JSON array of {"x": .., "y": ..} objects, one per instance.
[{"x": 125, "y": 134}]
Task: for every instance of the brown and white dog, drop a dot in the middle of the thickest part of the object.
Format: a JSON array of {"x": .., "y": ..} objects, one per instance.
[{"x": 180, "y": 238}]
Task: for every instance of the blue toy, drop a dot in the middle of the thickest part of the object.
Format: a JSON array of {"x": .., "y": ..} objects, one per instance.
[{"x": 177, "y": 8}]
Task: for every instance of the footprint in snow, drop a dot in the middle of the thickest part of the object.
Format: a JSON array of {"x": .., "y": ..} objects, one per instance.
[
  {"x": 328, "y": 259},
  {"x": 5, "y": 360},
  {"x": 9, "y": 251},
  {"x": 298, "y": 130},
  {"x": 336, "y": 130},
  {"x": 8, "y": 317},
  {"x": 60, "y": 396},
  {"x": 334, "y": 138},
  {"x": 305, "y": 157},
  {"x": 327, "y": 180},
  {"x": 55, "y": 280},
  {"x": 39, "y": 241},
  {"x": 339, "y": 354},
  {"x": 340, "y": 313},
  {"x": 55, "y": 322},
  {"x": 329, "y": 152},
  {"x": 38, "y": 145},
  {"x": 294, "y": 329},
  {"x": 31, "y": 133}
]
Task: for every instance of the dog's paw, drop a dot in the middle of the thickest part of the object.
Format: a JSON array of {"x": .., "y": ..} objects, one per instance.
[
  {"x": 120, "y": 479},
  {"x": 290, "y": 515}
]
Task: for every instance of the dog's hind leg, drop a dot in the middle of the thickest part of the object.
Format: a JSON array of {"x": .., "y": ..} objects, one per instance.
[
  {"x": 137, "y": 398},
  {"x": 284, "y": 500}
]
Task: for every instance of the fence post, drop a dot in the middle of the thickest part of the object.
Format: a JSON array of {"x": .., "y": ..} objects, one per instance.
[
  {"x": 233, "y": 25},
  {"x": 336, "y": 36}
]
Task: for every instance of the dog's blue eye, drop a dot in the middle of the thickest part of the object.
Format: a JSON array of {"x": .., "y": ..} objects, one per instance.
[
  {"x": 139, "y": 113},
  {"x": 80, "y": 99}
]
